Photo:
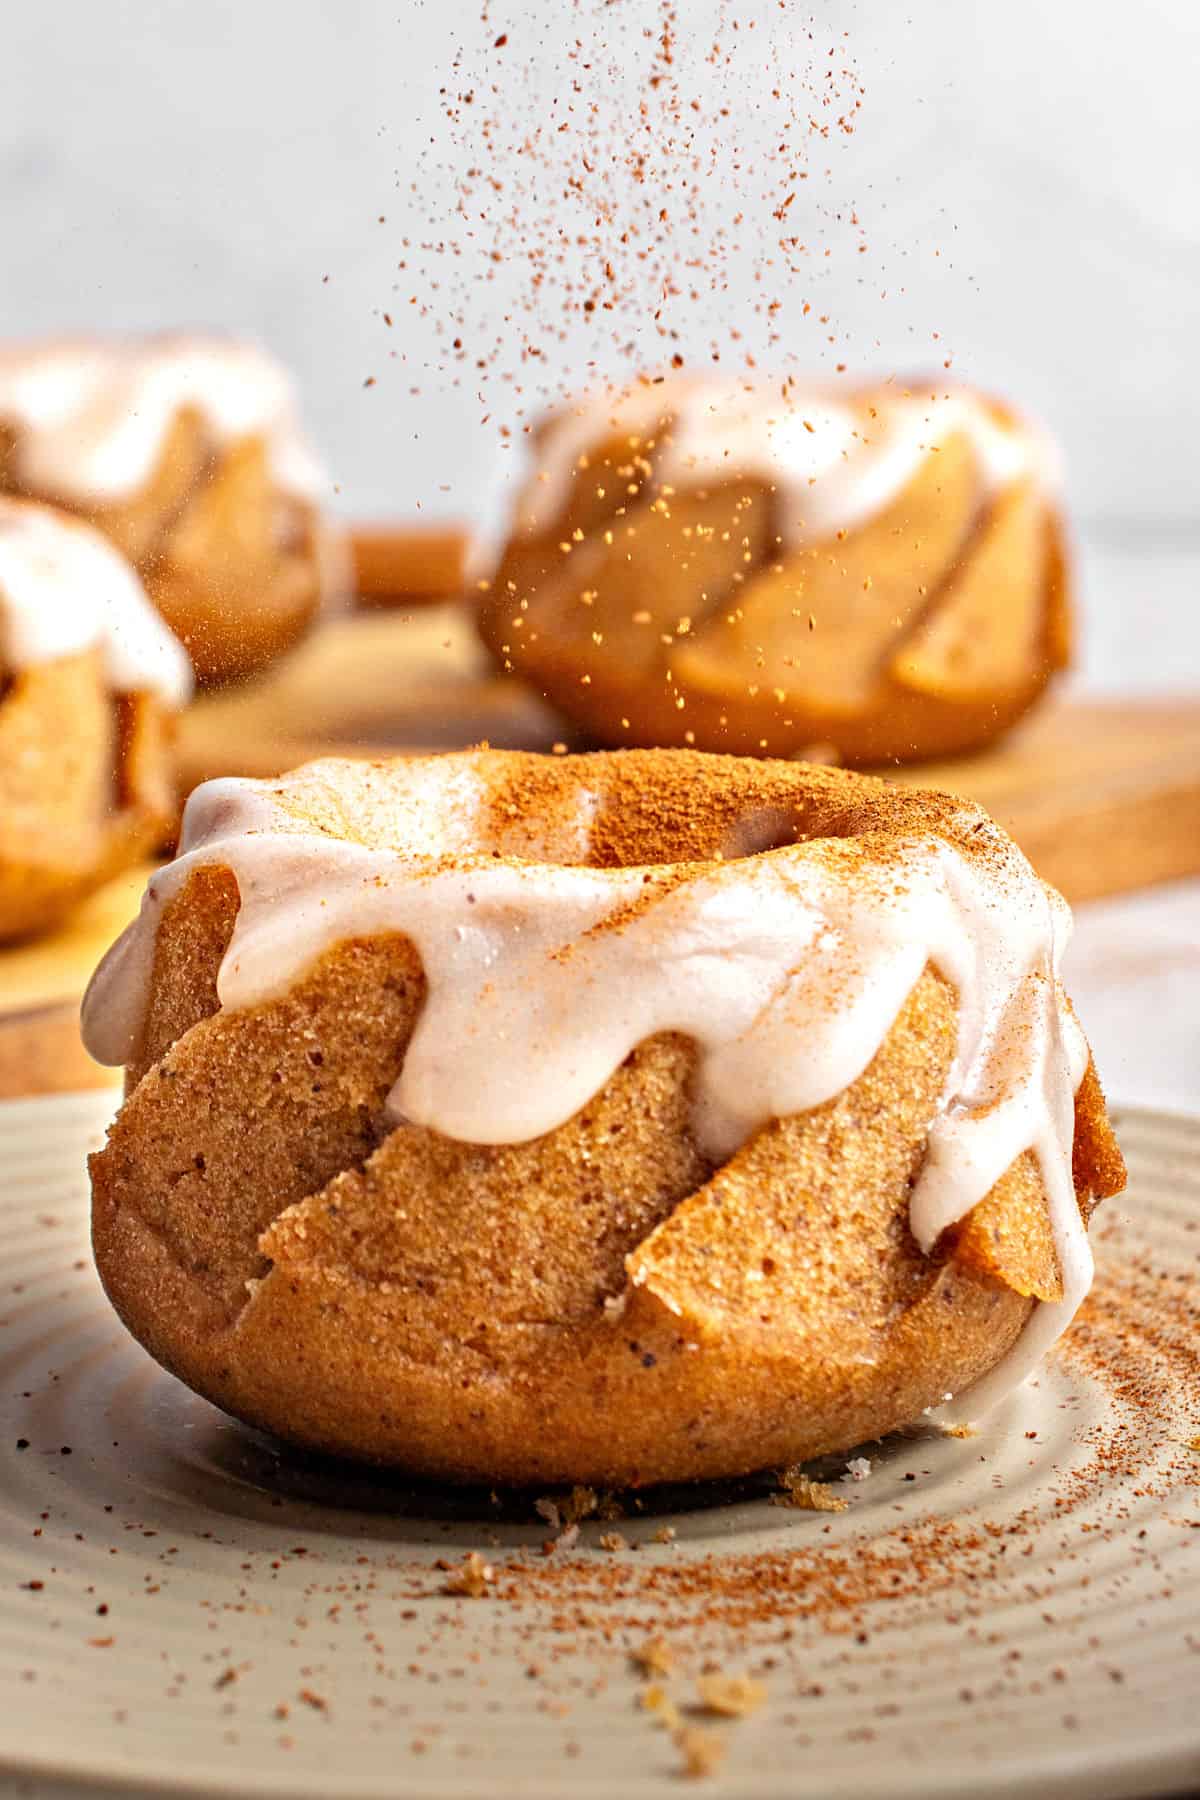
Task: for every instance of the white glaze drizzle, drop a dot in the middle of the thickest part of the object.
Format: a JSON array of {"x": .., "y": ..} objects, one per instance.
[
  {"x": 787, "y": 969},
  {"x": 64, "y": 589},
  {"x": 91, "y": 415},
  {"x": 831, "y": 463}
]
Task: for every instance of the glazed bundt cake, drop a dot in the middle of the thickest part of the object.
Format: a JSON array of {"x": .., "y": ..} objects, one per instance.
[
  {"x": 90, "y": 683},
  {"x": 881, "y": 574},
  {"x": 187, "y": 453},
  {"x": 616, "y": 1118}
]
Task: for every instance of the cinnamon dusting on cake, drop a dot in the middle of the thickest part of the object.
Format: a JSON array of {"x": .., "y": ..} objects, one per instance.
[{"x": 849, "y": 891}]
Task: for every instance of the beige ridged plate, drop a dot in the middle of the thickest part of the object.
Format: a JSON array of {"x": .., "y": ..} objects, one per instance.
[{"x": 185, "y": 1608}]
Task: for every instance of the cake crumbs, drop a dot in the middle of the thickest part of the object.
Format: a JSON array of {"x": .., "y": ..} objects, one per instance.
[
  {"x": 800, "y": 1491},
  {"x": 656, "y": 1700},
  {"x": 701, "y": 1751},
  {"x": 655, "y": 1657},
  {"x": 730, "y": 1696},
  {"x": 474, "y": 1578}
]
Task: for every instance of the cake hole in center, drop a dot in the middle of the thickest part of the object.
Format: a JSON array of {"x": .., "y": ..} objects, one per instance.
[{"x": 767, "y": 828}]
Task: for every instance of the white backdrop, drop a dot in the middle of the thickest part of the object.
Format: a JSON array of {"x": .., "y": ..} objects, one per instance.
[{"x": 1026, "y": 175}]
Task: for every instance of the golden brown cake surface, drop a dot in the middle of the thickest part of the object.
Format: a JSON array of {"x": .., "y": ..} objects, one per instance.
[
  {"x": 642, "y": 1291},
  {"x": 881, "y": 574}
]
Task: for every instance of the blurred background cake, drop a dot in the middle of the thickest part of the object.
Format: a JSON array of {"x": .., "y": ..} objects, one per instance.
[
  {"x": 91, "y": 681},
  {"x": 770, "y": 570},
  {"x": 187, "y": 452}
]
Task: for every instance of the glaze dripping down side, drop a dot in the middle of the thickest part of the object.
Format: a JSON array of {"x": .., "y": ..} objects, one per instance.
[{"x": 786, "y": 968}]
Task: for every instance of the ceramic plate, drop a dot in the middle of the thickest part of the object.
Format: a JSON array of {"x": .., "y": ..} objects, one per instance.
[{"x": 183, "y": 1607}]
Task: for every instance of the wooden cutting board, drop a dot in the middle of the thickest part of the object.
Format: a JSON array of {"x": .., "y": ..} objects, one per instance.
[{"x": 1103, "y": 796}]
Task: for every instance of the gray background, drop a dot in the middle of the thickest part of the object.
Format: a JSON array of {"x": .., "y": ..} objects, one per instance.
[{"x": 1027, "y": 174}]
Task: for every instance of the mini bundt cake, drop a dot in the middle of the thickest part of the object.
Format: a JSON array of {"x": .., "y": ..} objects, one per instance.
[
  {"x": 90, "y": 683},
  {"x": 881, "y": 574},
  {"x": 617, "y": 1118},
  {"x": 187, "y": 453}
]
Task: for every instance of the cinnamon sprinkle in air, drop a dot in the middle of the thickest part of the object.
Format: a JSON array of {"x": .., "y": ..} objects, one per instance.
[{"x": 602, "y": 208}]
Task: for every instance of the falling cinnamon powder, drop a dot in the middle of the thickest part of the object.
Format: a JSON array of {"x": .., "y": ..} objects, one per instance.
[{"x": 604, "y": 204}]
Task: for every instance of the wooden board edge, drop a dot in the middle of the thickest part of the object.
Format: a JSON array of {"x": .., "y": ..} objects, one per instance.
[
  {"x": 409, "y": 564},
  {"x": 41, "y": 1052},
  {"x": 1158, "y": 833}
]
